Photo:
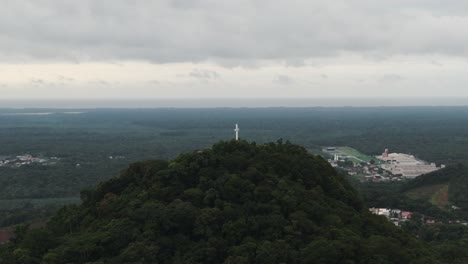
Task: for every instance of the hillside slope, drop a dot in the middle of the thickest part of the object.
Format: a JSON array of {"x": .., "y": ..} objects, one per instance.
[
  {"x": 237, "y": 202},
  {"x": 442, "y": 188}
]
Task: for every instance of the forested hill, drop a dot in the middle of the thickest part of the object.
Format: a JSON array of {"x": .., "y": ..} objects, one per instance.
[
  {"x": 237, "y": 202},
  {"x": 449, "y": 185}
]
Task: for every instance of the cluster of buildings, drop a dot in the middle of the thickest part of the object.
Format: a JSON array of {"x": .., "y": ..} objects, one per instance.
[
  {"x": 406, "y": 165},
  {"x": 372, "y": 172},
  {"x": 26, "y": 159},
  {"x": 396, "y": 216},
  {"x": 365, "y": 171},
  {"x": 386, "y": 167}
]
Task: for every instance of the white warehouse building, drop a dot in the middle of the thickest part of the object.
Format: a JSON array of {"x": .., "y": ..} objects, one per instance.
[{"x": 405, "y": 165}]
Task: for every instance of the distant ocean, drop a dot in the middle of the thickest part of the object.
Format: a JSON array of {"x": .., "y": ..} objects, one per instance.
[{"x": 234, "y": 103}]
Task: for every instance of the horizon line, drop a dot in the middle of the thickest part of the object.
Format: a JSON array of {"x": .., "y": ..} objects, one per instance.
[{"x": 209, "y": 103}]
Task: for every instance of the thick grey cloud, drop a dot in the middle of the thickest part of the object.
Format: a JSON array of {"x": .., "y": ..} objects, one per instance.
[
  {"x": 283, "y": 80},
  {"x": 222, "y": 30}
]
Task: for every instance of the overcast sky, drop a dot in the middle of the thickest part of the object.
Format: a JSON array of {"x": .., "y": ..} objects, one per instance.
[{"x": 224, "y": 48}]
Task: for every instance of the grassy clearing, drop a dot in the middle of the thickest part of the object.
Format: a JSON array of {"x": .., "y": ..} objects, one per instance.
[
  {"x": 356, "y": 156},
  {"x": 436, "y": 194},
  {"x": 440, "y": 198},
  {"x": 427, "y": 192}
]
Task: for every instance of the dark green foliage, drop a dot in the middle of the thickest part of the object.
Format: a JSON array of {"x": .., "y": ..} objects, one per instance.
[
  {"x": 457, "y": 189},
  {"x": 235, "y": 203},
  {"x": 448, "y": 237},
  {"x": 436, "y": 134},
  {"x": 394, "y": 195}
]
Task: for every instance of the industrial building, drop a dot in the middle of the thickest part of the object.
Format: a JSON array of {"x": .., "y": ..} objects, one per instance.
[{"x": 405, "y": 165}]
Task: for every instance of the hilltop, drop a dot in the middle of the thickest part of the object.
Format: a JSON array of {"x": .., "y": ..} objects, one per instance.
[{"x": 236, "y": 202}]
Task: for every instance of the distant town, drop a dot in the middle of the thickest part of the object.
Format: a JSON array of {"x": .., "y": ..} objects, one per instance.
[
  {"x": 385, "y": 167},
  {"x": 26, "y": 159},
  {"x": 396, "y": 216}
]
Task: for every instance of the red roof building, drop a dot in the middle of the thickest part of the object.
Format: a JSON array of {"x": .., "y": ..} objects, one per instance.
[{"x": 406, "y": 215}]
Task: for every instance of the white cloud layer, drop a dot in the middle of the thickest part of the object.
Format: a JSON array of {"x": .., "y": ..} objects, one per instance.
[
  {"x": 207, "y": 48},
  {"x": 200, "y": 30}
]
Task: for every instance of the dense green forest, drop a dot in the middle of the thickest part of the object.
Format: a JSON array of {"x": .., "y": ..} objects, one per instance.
[
  {"x": 418, "y": 194},
  {"x": 456, "y": 179},
  {"x": 90, "y": 138},
  {"x": 88, "y": 142},
  {"x": 236, "y": 202}
]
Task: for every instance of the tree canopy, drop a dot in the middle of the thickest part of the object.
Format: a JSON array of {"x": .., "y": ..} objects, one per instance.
[{"x": 237, "y": 202}]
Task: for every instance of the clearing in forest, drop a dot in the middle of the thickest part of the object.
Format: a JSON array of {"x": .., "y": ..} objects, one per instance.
[
  {"x": 354, "y": 155},
  {"x": 436, "y": 194}
]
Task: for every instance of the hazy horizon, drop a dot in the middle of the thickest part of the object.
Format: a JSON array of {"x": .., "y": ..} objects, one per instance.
[{"x": 235, "y": 102}]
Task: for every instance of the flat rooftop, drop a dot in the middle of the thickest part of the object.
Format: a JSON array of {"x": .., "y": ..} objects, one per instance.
[{"x": 406, "y": 165}]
